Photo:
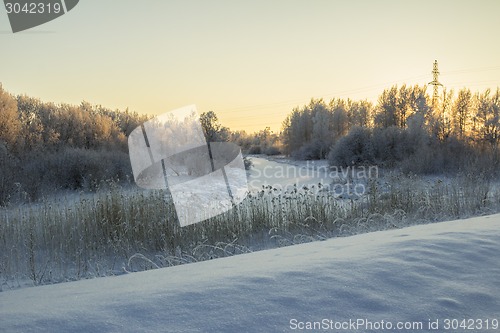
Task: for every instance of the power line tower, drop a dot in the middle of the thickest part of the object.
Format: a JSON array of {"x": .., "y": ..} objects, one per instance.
[{"x": 435, "y": 82}]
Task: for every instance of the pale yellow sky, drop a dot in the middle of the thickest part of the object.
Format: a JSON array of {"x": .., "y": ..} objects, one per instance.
[{"x": 249, "y": 61}]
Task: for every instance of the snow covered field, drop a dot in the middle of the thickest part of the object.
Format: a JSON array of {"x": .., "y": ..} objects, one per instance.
[{"x": 438, "y": 272}]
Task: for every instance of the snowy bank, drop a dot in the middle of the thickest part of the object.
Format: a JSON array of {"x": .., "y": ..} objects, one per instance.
[{"x": 441, "y": 271}]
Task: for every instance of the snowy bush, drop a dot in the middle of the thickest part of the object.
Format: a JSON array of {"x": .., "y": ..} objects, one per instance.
[
  {"x": 72, "y": 169},
  {"x": 356, "y": 148},
  {"x": 309, "y": 151},
  {"x": 272, "y": 150}
]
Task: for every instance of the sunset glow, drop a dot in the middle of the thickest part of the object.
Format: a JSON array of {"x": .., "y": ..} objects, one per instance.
[{"x": 250, "y": 62}]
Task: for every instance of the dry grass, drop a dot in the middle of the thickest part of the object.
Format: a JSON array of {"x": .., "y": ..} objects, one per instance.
[{"x": 116, "y": 231}]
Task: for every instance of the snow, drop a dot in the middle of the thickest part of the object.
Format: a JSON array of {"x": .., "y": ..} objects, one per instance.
[
  {"x": 290, "y": 175},
  {"x": 284, "y": 173},
  {"x": 421, "y": 273}
]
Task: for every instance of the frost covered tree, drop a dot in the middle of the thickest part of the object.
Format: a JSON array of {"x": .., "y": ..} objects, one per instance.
[
  {"x": 359, "y": 113},
  {"x": 296, "y": 130},
  {"x": 323, "y": 120},
  {"x": 486, "y": 127},
  {"x": 395, "y": 106},
  {"x": 387, "y": 108},
  {"x": 340, "y": 118},
  {"x": 10, "y": 125},
  {"x": 404, "y": 101},
  {"x": 441, "y": 128},
  {"x": 461, "y": 113}
]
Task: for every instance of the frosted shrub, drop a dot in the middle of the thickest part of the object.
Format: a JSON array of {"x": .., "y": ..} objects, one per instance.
[
  {"x": 71, "y": 169},
  {"x": 391, "y": 145},
  {"x": 309, "y": 151},
  {"x": 354, "y": 149}
]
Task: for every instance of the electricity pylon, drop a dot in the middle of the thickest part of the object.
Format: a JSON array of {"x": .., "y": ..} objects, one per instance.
[{"x": 435, "y": 82}]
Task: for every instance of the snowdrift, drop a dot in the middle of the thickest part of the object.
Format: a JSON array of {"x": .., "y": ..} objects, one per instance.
[{"x": 429, "y": 274}]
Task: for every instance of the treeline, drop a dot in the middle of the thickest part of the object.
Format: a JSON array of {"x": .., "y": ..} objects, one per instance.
[
  {"x": 405, "y": 128},
  {"x": 45, "y": 147},
  {"x": 262, "y": 142}
]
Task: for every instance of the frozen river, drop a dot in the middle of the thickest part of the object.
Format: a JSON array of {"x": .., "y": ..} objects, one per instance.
[{"x": 286, "y": 174}]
